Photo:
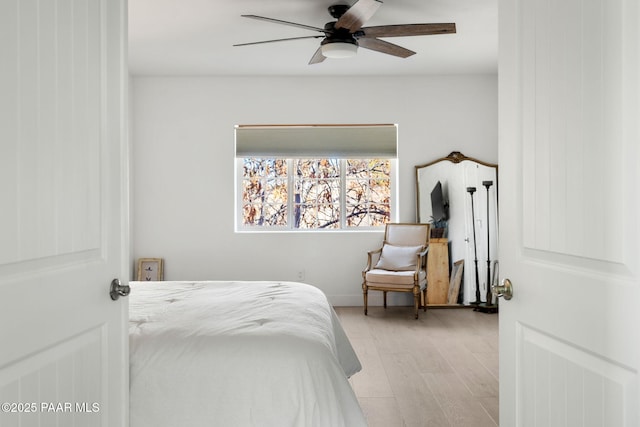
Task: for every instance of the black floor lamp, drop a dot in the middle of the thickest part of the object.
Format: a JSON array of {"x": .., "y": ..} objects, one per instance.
[
  {"x": 472, "y": 190},
  {"x": 488, "y": 307}
]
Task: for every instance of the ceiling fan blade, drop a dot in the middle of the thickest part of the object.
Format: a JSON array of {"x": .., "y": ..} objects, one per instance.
[
  {"x": 408, "y": 30},
  {"x": 279, "y": 40},
  {"x": 355, "y": 17},
  {"x": 317, "y": 57},
  {"x": 279, "y": 21},
  {"x": 385, "y": 47}
]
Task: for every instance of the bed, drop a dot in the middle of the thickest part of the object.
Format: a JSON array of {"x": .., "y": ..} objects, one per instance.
[{"x": 214, "y": 353}]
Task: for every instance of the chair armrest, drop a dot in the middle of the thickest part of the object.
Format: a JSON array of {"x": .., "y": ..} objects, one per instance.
[
  {"x": 370, "y": 255},
  {"x": 421, "y": 258}
]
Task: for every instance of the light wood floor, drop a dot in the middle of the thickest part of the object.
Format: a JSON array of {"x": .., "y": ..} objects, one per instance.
[{"x": 440, "y": 370}]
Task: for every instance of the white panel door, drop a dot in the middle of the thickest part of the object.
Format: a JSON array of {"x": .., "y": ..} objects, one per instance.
[
  {"x": 570, "y": 217},
  {"x": 63, "y": 213}
]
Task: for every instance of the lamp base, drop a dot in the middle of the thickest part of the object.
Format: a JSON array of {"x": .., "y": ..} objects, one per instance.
[{"x": 483, "y": 307}]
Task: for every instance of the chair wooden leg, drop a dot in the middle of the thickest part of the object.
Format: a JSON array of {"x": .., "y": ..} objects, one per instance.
[
  {"x": 424, "y": 298},
  {"x": 416, "y": 300},
  {"x": 385, "y": 298},
  {"x": 365, "y": 295}
]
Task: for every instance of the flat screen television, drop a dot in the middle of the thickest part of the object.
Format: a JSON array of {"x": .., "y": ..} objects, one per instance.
[{"x": 439, "y": 206}]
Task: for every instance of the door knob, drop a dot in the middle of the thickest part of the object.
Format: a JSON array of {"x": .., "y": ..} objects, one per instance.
[
  {"x": 118, "y": 290},
  {"x": 505, "y": 289}
]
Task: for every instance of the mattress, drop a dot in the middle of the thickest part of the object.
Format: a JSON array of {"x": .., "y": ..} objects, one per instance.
[{"x": 214, "y": 353}]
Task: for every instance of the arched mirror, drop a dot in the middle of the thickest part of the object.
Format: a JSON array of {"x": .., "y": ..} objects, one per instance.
[{"x": 459, "y": 196}]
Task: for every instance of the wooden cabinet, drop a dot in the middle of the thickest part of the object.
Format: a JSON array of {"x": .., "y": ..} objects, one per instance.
[{"x": 438, "y": 272}]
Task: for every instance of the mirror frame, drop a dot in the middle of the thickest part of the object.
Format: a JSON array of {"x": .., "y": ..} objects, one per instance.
[{"x": 453, "y": 157}]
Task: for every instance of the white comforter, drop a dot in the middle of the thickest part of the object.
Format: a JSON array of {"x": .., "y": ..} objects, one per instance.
[{"x": 238, "y": 354}]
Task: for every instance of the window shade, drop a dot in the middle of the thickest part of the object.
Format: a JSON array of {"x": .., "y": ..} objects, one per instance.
[{"x": 314, "y": 141}]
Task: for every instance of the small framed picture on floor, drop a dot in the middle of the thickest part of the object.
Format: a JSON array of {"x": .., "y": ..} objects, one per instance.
[{"x": 150, "y": 269}]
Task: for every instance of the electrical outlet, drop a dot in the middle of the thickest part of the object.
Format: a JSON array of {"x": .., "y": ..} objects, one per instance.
[{"x": 300, "y": 275}]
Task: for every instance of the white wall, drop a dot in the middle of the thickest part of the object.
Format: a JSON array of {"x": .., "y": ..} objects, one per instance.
[{"x": 183, "y": 166}]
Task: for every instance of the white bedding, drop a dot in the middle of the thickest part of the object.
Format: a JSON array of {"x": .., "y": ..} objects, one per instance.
[{"x": 238, "y": 354}]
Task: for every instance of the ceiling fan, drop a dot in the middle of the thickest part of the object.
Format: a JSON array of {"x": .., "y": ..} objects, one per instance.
[{"x": 341, "y": 38}]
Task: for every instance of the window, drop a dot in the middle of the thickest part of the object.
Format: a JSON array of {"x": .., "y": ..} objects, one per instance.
[
  {"x": 368, "y": 192},
  {"x": 315, "y": 177},
  {"x": 264, "y": 192},
  {"x": 308, "y": 194}
]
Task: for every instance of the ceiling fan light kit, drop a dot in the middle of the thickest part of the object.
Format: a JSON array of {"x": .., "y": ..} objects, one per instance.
[
  {"x": 341, "y": 49},
  {"x": 342, "y": 37}
]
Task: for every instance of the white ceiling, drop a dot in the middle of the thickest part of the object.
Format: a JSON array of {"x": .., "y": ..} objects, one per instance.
[{"x": 195, "y": 37}]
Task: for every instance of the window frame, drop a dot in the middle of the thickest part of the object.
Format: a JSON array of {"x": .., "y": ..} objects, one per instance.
[{"x": 289, "y": 228}]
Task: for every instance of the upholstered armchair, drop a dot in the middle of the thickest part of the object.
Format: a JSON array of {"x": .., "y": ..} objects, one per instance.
[{"x": 400, "y": 265}]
